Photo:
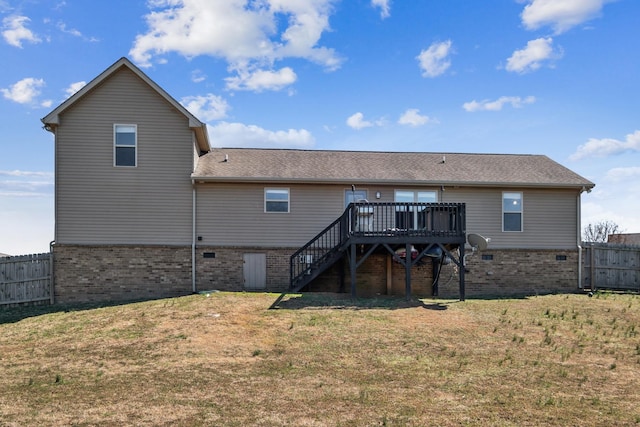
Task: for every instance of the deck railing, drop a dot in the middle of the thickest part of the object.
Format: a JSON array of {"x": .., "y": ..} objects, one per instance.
[
  {"x": 377, "y": 222},
  {"x": 402, "y": 219}
]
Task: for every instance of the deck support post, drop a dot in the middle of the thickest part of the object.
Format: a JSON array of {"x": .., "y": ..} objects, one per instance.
[
  {"x": 353, "y": 265},
  {"x": 341, "y": 275},
  {"x": 407, "y": 271},
  {"x": 436, "y": 264},
  {"x": 389, "y": 274},
  {"x": 463, "y": 268}
]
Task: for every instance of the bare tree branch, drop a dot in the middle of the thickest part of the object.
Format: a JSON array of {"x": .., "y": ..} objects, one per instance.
[{"x": 599, "y": 232}]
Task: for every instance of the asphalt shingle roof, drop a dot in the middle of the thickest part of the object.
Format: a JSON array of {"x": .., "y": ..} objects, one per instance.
[{"x": 283, "y": 165}]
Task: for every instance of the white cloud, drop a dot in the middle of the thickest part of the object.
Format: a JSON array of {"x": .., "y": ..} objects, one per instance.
[
  {"x": 24, "y": 91},
  {"x": 208, "y": 108},
  {"x": 607, "y": 146},
  {"x": 385, "y": 7},
  {"x": 71, "y": 31},
  {"x": 435, "y": 60},
  {"x": 561, "y": 15},
  {"x": 623, "y": 174},
  {"x": 250, "y": 36},
  {"x": 16, "y": 188},
  {"x": 260, "y": 80},
  {"x": 531, "y": 57},
  {"x": 227, "y": 134},
  {"x": 412, "y": 117},
  {"x": 74, "y": 87},
  {"x": 197, "y": 76},
  {"x": 20, "y": 173},
  {"x": 486, "y": 105},
  {"x": 357, "y": 121},
  {"x": 26, "y": 224},
  {"x": 619, "y": 188},
  {"x": 26, "y": 217},
  {"x": 14, "y": 31},
  {"x": 26, "y": 183}
]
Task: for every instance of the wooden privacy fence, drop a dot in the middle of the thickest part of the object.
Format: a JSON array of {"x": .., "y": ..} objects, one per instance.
[
  {"x": 611, "y": 266},
  {"x": 25, "y": 278}
]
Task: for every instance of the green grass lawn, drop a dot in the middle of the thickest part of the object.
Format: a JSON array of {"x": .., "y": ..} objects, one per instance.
[{"x": 234, "y": 359}]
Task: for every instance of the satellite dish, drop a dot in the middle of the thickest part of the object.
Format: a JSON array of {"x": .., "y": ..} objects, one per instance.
[{"x": 478, "y": 242}]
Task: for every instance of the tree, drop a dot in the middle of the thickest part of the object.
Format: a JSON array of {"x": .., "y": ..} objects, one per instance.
[{"x": 599, "y": 232}]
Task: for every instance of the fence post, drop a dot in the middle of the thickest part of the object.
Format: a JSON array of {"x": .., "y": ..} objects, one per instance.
[{"x": 592, "y": 263}]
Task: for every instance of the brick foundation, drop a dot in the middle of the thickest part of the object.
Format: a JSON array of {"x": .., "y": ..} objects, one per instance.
[
  {"x": 120, "y": 273},
  {"x": 511, "y": 272},
  {"x": 221, "y": 268},
  {"x": 516, "y": 272}
]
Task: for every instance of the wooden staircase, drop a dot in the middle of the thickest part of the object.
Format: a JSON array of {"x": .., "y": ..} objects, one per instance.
[
  {"x": 321, "y": 252},
  {"x": 365, "y": 223}
]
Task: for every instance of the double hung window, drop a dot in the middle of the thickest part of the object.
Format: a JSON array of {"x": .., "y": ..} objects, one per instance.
[
  {"x": 125, "y": 144},
  {"x": 511, "y": 211},
  {"x": 276, "y": 200}
]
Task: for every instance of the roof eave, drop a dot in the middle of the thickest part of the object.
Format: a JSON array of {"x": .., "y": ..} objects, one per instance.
[
  {"x": 202, "y": 136},
  {"x": 245, "y": 180}
]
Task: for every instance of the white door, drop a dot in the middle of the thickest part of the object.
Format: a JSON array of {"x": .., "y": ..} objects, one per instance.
[{"x": 255, "y": 271}]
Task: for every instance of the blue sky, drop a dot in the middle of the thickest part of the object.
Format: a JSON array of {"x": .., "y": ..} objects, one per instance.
[{"x": 553, "y": 77}]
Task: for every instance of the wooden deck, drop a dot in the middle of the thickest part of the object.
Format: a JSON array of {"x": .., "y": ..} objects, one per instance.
[{"x": 426, "y": 228}]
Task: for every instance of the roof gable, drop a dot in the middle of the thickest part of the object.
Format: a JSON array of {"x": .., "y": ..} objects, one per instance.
[
  {"x": 349, "y": 167},
  {"x": 52, "y": 119}
]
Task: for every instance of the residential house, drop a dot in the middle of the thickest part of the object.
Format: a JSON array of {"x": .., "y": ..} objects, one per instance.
[
  {"x": 145, "y": 208},
  {"x": 624, "y": 238}
]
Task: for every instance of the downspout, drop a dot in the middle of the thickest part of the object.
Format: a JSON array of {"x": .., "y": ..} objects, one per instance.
[
  {"x": 579, "y": 242},
  {"x": 193, "y": 236},
  {"x": 51, "y": 281},
  {"x": 52, "y": 287}
]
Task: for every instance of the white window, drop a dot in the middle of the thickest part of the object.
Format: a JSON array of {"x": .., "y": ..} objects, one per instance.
[
  {"x": 276, "y": 200},
  {"x": 511, "y": 211},
  {"x": 125, "y": 144},
  {"x": 354, "y": 196},
  {"x": 414, "y": 217}
]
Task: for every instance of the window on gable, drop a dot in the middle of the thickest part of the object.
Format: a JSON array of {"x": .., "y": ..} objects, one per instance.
[
  {"x": 125, "y": 142},
  {"x": 511, "y": 211},
  {"x": 276, "y": 200}
]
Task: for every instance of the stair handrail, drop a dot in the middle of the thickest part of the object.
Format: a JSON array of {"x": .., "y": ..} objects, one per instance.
[{"x": 298, "y": 268}]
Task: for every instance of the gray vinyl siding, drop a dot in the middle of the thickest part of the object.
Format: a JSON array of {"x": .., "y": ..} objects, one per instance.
[
  {"x": 233, "y": 214},
  {"x": 101, "y": 204},
  {"x": 549, "y": 217}
]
